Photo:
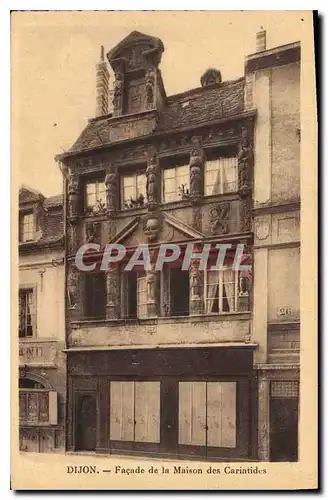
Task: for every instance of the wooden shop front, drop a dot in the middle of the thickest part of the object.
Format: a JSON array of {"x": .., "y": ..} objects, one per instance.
[{"x": 180, "y": 402}]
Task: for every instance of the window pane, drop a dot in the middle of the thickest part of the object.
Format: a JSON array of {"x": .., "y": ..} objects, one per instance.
[
  {"x": 142, "y": 297},
  {"x": 141, "y": 184},
  {"x": 27, "y": 227},
  {"x": 91, "y": 188},
  {"x": 229, "y": 174}
]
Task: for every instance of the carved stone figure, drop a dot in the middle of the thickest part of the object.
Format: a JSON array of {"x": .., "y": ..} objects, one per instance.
[
  {"x": 152, "y": 179},
  {"x": 118, "y": 91},
  {"x": 111, "y": 189},
  {"x": 245, "y": 214},
  {"x": 244, "y": 161},
  {"x": 73, "y": 195},
  {"x": 112, "y": 292},
  {"x": 152, "y": 227},
  {"x": 72, "y": 286},
  {"x": 219, "y": 218},
  {"x": 150, "y": 82},
  {"x": 151, "y": 282},
  {"x": 195, "y": 166},
  {"x": 92, "y": 232},
  {"x": 195, "y": 281}
]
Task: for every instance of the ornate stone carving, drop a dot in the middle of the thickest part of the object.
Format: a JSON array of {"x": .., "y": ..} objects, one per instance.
[
  {"x": 245, "y": 214},
  {"x": 118, "y": 88},
  {"x": 73, "y": 241},
  {"x": 152, "y": 226},
  {"x": 111, "y": 190},
  {"x": 152, "y": 185},
  {"x": 219, "y": 218},
  {"x": 73, "y": 195},
  {"x": 196, "y": 286},
  {"x": 196, "y": 165},
  {"x": 92, "y": 232},
  {"x": 150, "y": 85},
  {"x": 245, "y": 156},
  {"x": 72, "y": 288},
  {"x": 112, "y": 292}
]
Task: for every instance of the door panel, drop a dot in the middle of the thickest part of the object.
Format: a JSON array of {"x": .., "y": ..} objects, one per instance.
[
  {"x": 86, "y": 422},
  {"x": 122, "y": 411},
  {"x": 228, "y": 423},
  {"x": 147, "y": 412},
  {"x": 192, "y": 413}
]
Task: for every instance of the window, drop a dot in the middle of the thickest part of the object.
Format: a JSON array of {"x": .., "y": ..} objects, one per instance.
[
  {"x": 179, "y": 292},
  {"x": 95, "y": 196},
  {"x": 176, "y": 183},
  {"x": 37, "y": 405},
  {"x": 207, "y": 414},
  {"x": 133, "y": 190},
  {"x": 135, "y": 411},
  {"x": 27, "y": 313},
  {"x": 27, "y": 232},
  {"x": 221, "y": 291},
  {"x": 134, "y": 295},
  {"x": 220, "y": 176},
  {"x": 95, "y": 295}
]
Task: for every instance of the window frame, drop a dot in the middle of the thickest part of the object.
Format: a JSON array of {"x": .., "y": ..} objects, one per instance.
[
  {"x": 22, "y": 215},
  {"x": 135, "y": 175},
  {"x": 97, "y": 181},
  {"x": 174, "y": 168},
  {"x": 220, "y": 291},
  {"x": 88, "y": 313},
  {"x": 220, "y": 160},
  {"x": 24, "y": 289}
]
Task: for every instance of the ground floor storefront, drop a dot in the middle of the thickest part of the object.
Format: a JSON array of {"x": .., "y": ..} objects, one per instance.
[{"x": 179, "y": 402}]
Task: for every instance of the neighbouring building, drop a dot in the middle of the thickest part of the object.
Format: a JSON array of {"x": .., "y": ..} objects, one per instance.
[
  {"x": 186, "y": 363},
  {"x": 41, "y": 334}
]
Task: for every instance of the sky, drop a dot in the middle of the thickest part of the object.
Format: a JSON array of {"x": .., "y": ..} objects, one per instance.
[{"x": 53, "y": 69}]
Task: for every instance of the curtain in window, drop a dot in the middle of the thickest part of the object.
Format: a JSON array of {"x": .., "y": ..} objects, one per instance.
[
  {"x": 228, "y": 172},
  {"x": 142, "y": 297},
  {"x": 211, "y": 290},
  {"x": 229, "y": 284}
]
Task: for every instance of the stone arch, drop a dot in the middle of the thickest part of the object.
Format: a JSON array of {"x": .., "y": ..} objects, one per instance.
[{"x": 37, "y": 378}]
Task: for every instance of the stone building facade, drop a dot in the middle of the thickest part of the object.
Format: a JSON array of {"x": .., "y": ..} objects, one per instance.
[
  {"x": 185, "y": 363},
  {"x": 41, "y": 335}
]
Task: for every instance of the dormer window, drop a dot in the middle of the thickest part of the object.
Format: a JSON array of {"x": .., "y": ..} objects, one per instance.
[{"x": 27, "y": 227}]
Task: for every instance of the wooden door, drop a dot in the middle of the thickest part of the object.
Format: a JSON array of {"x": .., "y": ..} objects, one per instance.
[
  {"x": 284, "y": 429},
  {"x": 86, "y": 422}
]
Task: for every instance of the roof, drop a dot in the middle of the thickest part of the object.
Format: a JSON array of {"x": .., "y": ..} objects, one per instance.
[
  {"x": 53, "y": 200},
  {"x": 189, "y": 109}
]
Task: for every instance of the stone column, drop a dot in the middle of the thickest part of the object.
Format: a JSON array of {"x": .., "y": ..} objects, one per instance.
[
  {"x": 113, "y": 292},
  {"x": 196, "y": 170},
  {"x": 264, "y": 419}
]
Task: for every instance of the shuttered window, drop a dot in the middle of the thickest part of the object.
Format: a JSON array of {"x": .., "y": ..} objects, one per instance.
[
  {"x": 207, "y": 414},
  {"x": 135, "y": 411}
]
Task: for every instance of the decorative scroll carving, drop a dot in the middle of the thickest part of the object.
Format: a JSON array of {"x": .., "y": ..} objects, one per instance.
[
  {"x": 150, "y": 93},
  {"x": 73, "y": 195},
  {"x": 219, "y": 218},
  {"x": 152, "y": 185},
  {"x": 196, "y": 165},
  {"x": 111, "y": 190},
  {"x": 245, "y": 156},
  {"x": 92, "y": 232}
]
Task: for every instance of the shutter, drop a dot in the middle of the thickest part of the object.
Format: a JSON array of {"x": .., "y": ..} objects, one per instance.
[
  {"x": 122, "y": 411},
  {"x": 192, "y": 413},
  {"x": 147, "y": 412},
  {"x": 53, "y": 408},
  {"x": 221, "y": 414}
]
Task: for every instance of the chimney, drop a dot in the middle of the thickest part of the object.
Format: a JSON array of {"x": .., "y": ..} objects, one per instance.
[
  {"x": 261, "y": 41},
  {"x": 102, "y": 83}
]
